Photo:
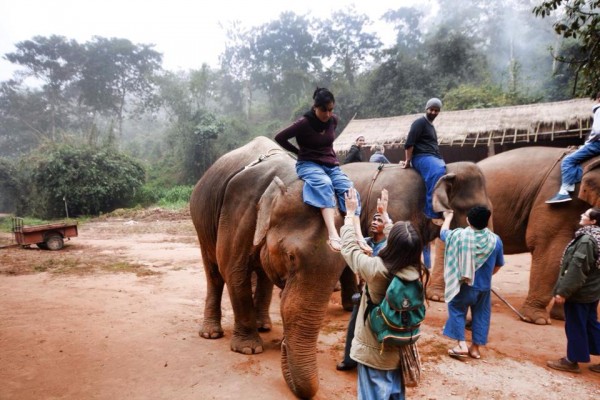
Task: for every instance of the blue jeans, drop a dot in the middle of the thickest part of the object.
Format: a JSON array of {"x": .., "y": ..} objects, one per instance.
[
  {"x": 323, "y": 185},
  {"x": 583, "y": 330},
  {"x": 480, "y": 303},
  {"x": 377, "y": 384},
  {"x": 570, "y": 167},
  {"x": 431, "y": 169}
]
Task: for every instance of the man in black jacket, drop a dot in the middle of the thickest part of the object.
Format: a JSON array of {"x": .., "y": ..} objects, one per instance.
[{"x": 355, "y": 153}]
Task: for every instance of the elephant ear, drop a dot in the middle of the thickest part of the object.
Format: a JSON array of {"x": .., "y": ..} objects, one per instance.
[
  {"x": 589, "y": 189},
  {"x": 440, "y": 198},
  {"x": 265, "y": 206}
]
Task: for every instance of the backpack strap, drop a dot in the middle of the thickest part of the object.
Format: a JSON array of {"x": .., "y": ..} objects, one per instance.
[{"x": 370, "y": 304}]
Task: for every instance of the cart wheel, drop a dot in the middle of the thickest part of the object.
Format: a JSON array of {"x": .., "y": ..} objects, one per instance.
[
  {"x": 41, "y": 245},
  {"x": 54, "y": 242}
]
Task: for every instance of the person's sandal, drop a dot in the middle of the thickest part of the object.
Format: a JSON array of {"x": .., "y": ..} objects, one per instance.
[
  {"x": 335, "y": 244},
  {"x": 595, "y": 368}
]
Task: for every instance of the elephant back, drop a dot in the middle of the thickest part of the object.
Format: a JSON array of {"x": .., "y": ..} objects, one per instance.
[{"x": 207, "y": 197}]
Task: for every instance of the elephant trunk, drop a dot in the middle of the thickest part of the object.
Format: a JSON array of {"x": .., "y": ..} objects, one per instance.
[{"x": 302, "y": 321}]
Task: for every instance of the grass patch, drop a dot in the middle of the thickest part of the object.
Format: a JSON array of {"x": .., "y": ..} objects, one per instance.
[{"x": 125, "y": 267}]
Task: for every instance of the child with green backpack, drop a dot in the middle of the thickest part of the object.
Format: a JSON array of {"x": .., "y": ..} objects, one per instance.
[{"x": 380, "y": 364}]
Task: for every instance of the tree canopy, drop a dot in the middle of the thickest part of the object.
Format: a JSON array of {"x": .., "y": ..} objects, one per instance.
[{"x": 578, "y": 20}]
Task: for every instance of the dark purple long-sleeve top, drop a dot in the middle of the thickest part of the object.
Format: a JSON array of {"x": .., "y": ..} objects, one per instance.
[{"x": 314, "y": 145}]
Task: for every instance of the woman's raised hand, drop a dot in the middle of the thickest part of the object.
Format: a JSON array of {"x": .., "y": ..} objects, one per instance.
[
  {"x": 382, "y": 202},
  {"x": 351, "y": 201}
]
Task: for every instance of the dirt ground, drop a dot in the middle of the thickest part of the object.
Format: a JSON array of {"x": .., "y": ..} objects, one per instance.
[{"x": 116, "y": 313}]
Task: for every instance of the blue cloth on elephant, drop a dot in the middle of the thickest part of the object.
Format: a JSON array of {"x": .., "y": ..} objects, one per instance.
[
  {"x": 324, "y": 185},
  {"x": 467, "y": 249},
  {"x": 431, "y": 169}
]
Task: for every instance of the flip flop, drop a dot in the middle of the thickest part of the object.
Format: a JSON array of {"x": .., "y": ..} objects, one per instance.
[
  {"x": 335, "y": 244},
  {"x": 458, "y": 354}
]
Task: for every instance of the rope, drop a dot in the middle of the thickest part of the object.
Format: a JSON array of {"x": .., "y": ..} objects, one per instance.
[
  {"x": 364, "y": 216},
  {"x": 263, "y": 157},
  {"x": 537, "y": 192}
]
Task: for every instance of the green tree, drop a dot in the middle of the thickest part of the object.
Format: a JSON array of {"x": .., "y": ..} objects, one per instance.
[
  {"x": 90, "y": 180},
  {"x": 344, "y": 38},
  {"x": 400, "y": 85},
  {"x": 194, "y": 129},
  {"x": 55, "y": 62},
  {"x": 117, "y": 71},
  {"x": 406, "y": 21},
  {"x": 580, "y": 20},
  {"x": 277, "y": 58},
  {"x": 453, "y": 59},
  {"x": 9, "y": 186}
]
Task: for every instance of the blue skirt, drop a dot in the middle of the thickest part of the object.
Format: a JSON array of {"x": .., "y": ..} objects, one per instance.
[{"x": 324, "y": 187}]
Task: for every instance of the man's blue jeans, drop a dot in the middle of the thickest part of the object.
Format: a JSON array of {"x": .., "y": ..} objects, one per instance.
[{"x": 570, "y": 167}]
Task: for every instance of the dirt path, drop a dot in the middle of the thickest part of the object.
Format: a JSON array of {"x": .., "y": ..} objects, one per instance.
[{"x": 116, "y": 314}]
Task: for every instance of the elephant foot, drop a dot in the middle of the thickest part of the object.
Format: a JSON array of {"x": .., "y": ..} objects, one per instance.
[
  {"x": 535, "y": 315},
  {"x": 247, "y": 345},
  {"x": 264, "y": 324},
  {"x": 211, "y": 330},
  {"x": 435, "y": 294}
]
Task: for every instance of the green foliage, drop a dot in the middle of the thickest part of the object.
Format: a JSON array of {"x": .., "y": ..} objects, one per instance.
[
  {"x": 9, "y": 186},
  {"x": 176, "y": 197},
  {"x": 580, "y": 20},
  {"x": 167, "y": 197},
  {"x": 89, "y": 180}
]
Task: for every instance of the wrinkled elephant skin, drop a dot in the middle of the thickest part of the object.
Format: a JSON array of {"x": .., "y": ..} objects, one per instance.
[
  {"x": 253, "y": 220},
  {"x": 518, "y": 183},
  {"x": 461, "y": 188}
]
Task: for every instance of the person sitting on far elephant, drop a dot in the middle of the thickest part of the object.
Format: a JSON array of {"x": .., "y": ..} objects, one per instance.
[
  {"x": 570, "y": 166},
  {"x": 379, "y": 369},
  {"x": 578, "y": 289},
  {"x": 421, "y": 150},
  {"x": 377, "y": 241},
  {"x": 473, "y": 254},
  {"x": 378, "y": 156},
  {"x": 355, "y": 152},
  {"x": 318, "y": 166}
]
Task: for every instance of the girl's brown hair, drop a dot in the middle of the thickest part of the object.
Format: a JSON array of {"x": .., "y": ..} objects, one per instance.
[{"x": 403, "y": 249}]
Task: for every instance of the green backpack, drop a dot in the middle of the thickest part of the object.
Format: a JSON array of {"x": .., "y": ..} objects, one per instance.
[{"x": 397, "y": 319}]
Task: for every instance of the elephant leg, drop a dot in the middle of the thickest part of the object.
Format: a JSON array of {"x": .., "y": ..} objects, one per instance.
[
  {"x": 211, "y": 326},
  {"x": 436, "y": 287},
  {"x": 237, "y": 272},
  {"x": 542, "y": 277},
  {"x": 263, "y": 293},
  {"x": 349, "y": 287}
]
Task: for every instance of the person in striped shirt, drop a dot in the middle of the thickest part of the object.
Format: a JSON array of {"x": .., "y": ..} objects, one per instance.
[{"x": 473, "y": 254}]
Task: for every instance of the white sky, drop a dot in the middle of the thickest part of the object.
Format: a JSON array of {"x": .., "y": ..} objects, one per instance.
[{"x": 187, "y": 32}]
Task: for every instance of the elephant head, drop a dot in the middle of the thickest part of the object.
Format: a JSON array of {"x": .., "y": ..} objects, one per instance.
[
  {"x": 291, "y": 238},
  {"x": 589, "y": 189}
]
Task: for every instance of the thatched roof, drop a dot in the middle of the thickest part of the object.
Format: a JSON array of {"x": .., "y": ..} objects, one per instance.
[{"x": 480, "y": 127}]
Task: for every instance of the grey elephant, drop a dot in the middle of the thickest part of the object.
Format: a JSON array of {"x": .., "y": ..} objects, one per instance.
[
  {"x": 250, "y": 219},
  {"x": 518, "y": 183}
]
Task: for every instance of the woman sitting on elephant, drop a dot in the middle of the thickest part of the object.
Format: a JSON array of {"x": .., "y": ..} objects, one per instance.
[
  {"x": 318, "y": 165},
  {"x": 379, "y": 369}
]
